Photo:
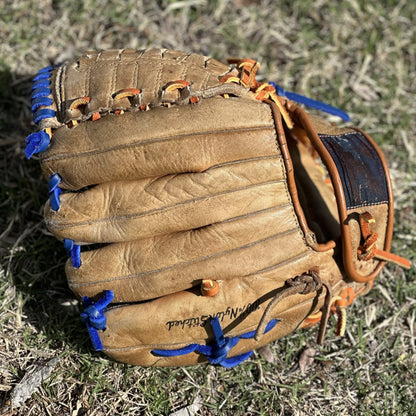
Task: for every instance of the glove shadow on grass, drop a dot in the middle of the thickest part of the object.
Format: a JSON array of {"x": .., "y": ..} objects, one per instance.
[{"x": 40, "y": 307}]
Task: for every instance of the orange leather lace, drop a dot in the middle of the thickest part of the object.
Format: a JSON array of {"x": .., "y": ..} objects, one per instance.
[
  {"x": 262, "y": 90},
  {"x": 368, "y": 249}
]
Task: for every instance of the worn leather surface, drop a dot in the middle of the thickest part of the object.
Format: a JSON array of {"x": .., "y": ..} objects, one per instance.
[
  {"x": 187, "y": 192},
  {"x": 239, "y": 306},
  {"x": 100, "y": 75},
  {"x": 162, "y": 141}
]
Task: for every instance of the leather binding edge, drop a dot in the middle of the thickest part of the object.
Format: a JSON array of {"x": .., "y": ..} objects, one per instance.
[
  {"x": 309, "y": 234},
  {"x": 302, "y": 118}
]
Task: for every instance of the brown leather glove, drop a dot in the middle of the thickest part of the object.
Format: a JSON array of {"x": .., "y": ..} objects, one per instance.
[{"x": 213, "y": 214}]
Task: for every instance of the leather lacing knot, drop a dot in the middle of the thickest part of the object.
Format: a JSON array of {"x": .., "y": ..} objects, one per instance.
[
  {"x": 263, "y": 91},
  {"x": 93, "y": 316},
  {"x": 311, "y": 282},
  {"x": 368, "y": 249},
  {"x": 300, "y": 285}
]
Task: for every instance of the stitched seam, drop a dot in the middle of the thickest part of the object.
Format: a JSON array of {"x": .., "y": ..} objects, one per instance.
[
  {"x": 88, "y": 79},
  {"x": 204, "y": 83},
  {"x": 60, "y": 89},
  {"x": 184, "y": 68},
  {"x": 149, "y": 62},
  {"x": 113, "y": 81},
  {"x": 135, "y": 73},
  {"x": 285, "y": 262},
  {"x": 236, "y": 162},
  {"x": 158, "y": 78},
  {"x": 251, "y": 214}
]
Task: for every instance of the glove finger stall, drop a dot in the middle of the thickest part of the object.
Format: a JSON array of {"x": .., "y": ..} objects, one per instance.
[
  {"x": 177, "y": 320},
  {"x": 154, "y": 267},
  {"x": 124, "y": 211},
  {"x": 160, "y": 142}
]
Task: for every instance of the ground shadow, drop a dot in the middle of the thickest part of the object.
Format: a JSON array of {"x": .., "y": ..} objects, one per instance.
[{"x": 32, "y": 259}]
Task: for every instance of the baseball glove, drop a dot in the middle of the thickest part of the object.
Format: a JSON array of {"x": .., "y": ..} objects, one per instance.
[{"x": 205, "y": 214}]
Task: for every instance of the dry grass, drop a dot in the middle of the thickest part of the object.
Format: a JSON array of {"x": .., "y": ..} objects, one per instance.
[{"x": 355, "y": 54}]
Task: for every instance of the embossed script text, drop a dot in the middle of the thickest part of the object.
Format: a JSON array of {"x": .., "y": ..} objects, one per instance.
[{"x": 229, "y": 314}]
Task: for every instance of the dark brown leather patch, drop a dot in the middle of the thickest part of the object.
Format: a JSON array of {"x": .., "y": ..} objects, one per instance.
[{"x": 360, "y": 169}]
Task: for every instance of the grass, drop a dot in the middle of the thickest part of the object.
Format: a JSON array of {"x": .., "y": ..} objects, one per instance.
[{"x": 358, "y": 55}]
